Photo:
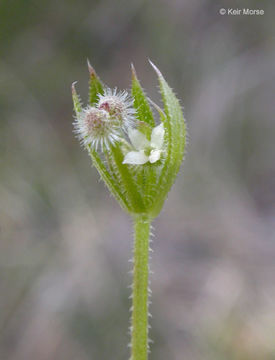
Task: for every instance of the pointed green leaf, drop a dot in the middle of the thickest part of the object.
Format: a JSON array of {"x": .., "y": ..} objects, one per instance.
[
  {"x": 141, "y": 104},
  {"x": 175, "y": 139},
  {"x": 95, "y": 85},
  {"x": 76, "y": 100},
  {"x": 111, "y": 184},
  {"x": 150, "y": 189},
  {"x": 127, "y": 180},
  {"x": 114, "y": 170}
]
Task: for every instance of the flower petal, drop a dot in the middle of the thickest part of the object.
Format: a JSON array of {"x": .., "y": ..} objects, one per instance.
[
  {"x": 157, "y": 137},
  {"x": 138, "y": 139},
  {"x": 135, "y": 158},
  {"x": 154, "y": 156}
]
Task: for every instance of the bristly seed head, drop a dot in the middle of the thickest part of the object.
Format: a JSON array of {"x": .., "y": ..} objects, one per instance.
[
  {"x": 95, "y": 127},
  {"x": 119, "y": 105}
]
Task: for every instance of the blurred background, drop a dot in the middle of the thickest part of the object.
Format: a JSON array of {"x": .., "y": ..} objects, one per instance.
[{"x": 65, "y": 243}]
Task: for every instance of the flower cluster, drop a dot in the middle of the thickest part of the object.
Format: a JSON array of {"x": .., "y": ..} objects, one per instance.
[
  {"x": 137, "y": 156},
  {"x": 103, "y": 125}
]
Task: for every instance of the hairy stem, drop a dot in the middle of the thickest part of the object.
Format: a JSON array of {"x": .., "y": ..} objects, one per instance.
[{"x": 139, "y": 325}]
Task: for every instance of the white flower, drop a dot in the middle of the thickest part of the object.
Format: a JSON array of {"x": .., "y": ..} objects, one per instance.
[
  {"x": 95, "y": 127},
  {"x": 145, "y": 150},
  {"x": 119, "y": 105}
]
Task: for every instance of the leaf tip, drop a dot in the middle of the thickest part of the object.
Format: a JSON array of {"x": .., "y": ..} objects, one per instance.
[
  {"x": 73, "y": 88},
  {"x": 155, "y": 68},
  {"x": 91, "y": 69},
  {"x": 134, "y": 74}
]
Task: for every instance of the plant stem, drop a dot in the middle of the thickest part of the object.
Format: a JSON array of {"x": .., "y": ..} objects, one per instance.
[{"x": 139, "y": 334}]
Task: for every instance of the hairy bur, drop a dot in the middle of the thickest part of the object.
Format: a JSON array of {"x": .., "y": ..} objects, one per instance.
[
  {"x": 119, "y": 105},
  {"x": 138, "y": 160}
]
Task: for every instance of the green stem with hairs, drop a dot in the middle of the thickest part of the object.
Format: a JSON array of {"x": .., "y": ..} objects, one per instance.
[{"x": 139, "y": 323}]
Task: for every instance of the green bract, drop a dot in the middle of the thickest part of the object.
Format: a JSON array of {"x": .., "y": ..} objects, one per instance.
[{"x": 140, "y": 187}]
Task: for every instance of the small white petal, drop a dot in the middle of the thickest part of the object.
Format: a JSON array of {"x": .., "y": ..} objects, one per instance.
[
  {"x": 135, "y": 158},
  {"x": 154, "y": 156},
  {"x": 157, "y": 137},
  {"x": 138, "y": 140}
]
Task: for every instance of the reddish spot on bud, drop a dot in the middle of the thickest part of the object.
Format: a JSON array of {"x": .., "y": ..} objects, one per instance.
[{"x": 105, "y": 106}]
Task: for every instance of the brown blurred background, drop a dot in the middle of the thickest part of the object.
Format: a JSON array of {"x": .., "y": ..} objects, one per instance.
[{"x": 65, "y": 243}]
